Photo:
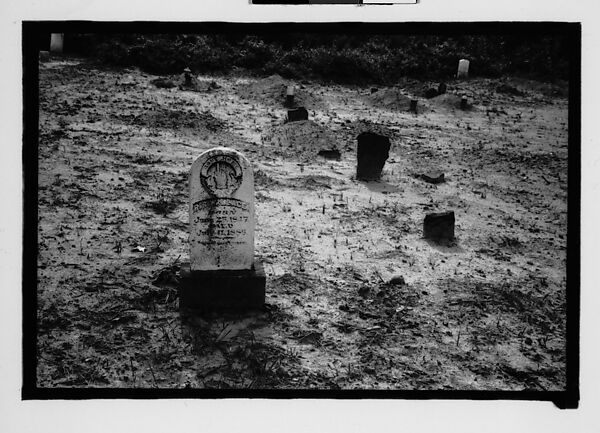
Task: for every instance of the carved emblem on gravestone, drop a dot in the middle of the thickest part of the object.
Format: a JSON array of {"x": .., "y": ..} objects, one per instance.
[{"x": 221, "y": 175}]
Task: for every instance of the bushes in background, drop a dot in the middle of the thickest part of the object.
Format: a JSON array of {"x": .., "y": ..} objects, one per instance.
[{"x": 347, "y": 59}]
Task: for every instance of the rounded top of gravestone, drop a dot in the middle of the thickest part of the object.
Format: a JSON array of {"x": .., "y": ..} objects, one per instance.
[
  {"x": 187, "y": 70},
  {"x": 370, "y": 135},
  {"x": 221, "y": 171}
]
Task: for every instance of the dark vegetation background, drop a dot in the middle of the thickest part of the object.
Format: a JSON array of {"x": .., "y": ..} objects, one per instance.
[{"x": 340, "y": 58}]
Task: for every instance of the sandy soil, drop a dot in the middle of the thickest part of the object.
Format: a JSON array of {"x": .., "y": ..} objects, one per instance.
[{"x": 356, "y": 298}]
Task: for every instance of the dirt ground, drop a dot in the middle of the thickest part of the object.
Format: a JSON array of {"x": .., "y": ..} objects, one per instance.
[{"x": 356, "y": 298}]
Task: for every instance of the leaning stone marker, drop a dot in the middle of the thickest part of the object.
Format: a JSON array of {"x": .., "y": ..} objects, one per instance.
[
  {"x": 372, "y": 152},
  {"x": 297, "y": 114},
  {"x": 439, "y": 226},
  {"x": 222, "y": 272}
]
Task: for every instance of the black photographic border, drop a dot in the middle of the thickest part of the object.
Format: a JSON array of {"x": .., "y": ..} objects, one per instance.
[{"x": 32, "y": 31}]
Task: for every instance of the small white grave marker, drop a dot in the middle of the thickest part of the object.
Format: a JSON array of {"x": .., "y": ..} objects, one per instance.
[
  {"x": 289, "y": 96},
  {"x": 463, "y": 69},
  {"x": 56, "y": 42}
]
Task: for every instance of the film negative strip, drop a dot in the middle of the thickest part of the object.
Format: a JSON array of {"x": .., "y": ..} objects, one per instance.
[{"x": 332, "y": 2}]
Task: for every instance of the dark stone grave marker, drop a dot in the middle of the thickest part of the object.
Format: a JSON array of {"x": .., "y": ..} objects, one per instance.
[
  {"x": 297, "y": 114},
  {"x": 372, "y": 152},
  {"x": 431, "y": 93},
  {"x": 413, "y": 106},
  {"x": 439, "y": 226}
]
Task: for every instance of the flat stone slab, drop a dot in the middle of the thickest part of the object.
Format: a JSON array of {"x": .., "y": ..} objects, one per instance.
[
  {"x": 431, "y": 93},
  {"x": 330, "y": 154},
  {"x": 439, "y": 226},
  {"x": 204, "y": 291},
  {"x": 433, "y": 177}
]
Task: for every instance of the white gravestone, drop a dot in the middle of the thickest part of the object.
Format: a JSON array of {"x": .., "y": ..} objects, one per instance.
[
  {"x": 463, "y": 69},
  {"x": 221, "y": 211},
  {"x": 56, "y": 42}
]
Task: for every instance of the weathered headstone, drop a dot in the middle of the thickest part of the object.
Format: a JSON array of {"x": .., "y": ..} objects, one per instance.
[
  {"x": 187, "y": 77},
  {"x": 439, "y": 227},
  {"x": 222, "y": 272},
  {"x": 464, "y": 103},
  {"x": 56, "y": 42},
  {"x": 297, "y": 114},
  {"x": 463, "y": 69},
  {"x": 372, "y": 152},
  {"x": 289, "y": 96},
  {"x": 442, "y": 88}
]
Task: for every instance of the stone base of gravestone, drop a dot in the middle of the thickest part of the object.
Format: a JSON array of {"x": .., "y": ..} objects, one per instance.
[
  {"x": 222, "y": 290},
  {"x": 297, "y": 115},
  {"x": 439, "y": 227},
  {"x": 373, "y": 150}
]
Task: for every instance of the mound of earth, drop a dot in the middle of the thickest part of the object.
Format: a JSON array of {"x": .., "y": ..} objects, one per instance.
[
  {"x": 448, "y": 101},
  {"x": 558, "y": 89},
  {"x": 185, "y": 82},
  {"x": 303, "y": 137},
  {"x": 390, "y": 98},
  {"x": 265, "y": 89},
  {"x": 272, "y": 90},
  {"x": 169, "y": 118}
]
